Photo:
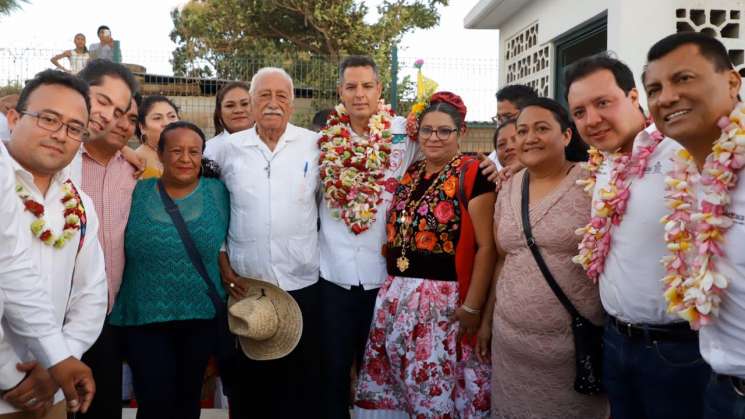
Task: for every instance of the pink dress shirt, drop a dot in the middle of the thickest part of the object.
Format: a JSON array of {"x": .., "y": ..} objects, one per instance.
[{"x": 110, "y": 187}]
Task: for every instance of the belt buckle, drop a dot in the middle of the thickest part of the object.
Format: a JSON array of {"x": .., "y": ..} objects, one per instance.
[
  {"x": 628, "y": 330},
  {"x": 738, "y": 384}
]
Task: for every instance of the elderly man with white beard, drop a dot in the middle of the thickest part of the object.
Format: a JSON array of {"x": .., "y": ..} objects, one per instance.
[{"x": 271, "y": 172}]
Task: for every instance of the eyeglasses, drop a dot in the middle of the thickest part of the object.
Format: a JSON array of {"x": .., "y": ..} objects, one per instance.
[
  {"x": 501, "y": 118},
  {"x": 442, "y": 133},
  {"x": 51, "y": 123}
]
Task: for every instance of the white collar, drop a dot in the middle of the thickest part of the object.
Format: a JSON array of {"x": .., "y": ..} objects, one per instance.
[
  {"x": 21, "y": 173},
  {"x": 250, "y": 137}
]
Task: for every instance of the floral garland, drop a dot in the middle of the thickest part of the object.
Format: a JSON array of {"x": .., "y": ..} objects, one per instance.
[
  {"x": 612, "y": 201},
  {"x": 594, "y": 161},
  {"x": 352, "y": 170},
  {"x": 73, "y": 213},
  {"x": 693, "y": 285}
]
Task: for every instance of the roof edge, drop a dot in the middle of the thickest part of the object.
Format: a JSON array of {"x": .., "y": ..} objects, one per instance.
[{"x": 504, "y": 9}]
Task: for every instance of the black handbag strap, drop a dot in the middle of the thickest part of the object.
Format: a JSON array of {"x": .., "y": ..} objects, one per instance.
[
  {"x": 528, "y": 231},
  {"x": 191, "y": 249}
]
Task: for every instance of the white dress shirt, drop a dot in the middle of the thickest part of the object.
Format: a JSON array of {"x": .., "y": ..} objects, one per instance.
[
  {"x": 4, "y": 129},
  {"x": 631, "y": 287},
  {"x": 215, "y": 143},
  {"x": 493, "y": 156},
  {"x": 273, "y": 209},
  {"x": 76, "y": 279},
  {"x": 722, "y": 343},
  {"x": 349, "y": 259},
  {"x": 25, "y": 305}
]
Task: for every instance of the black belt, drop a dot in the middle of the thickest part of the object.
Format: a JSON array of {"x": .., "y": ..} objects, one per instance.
[
  {"x": 738, "y": 384},
  {"x": 680, "y": 331}
]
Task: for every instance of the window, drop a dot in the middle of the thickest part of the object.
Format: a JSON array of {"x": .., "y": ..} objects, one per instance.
[{"x": 587, "y": 39}]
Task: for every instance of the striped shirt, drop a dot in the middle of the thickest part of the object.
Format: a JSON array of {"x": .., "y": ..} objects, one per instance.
[{"x": 110, "y": 187}]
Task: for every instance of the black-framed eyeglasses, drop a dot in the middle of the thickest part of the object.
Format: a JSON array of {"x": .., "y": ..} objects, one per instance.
[
  {"x": 51, "y": 122},
  {"x": 442, "y": 133},
  {"x": 502, "y": 118}
]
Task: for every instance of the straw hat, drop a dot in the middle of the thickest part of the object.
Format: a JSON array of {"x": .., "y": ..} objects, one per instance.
[{"x": 267, "y": 322}]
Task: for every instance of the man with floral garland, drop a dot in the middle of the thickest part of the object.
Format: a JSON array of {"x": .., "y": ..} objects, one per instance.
[
  {"x": 26, "y": 306},
  {"x": 652, "y": 367},
  {"x": 47, "y": 126},
  {"x": 692, "y": 90},
  {"x": 365, "y": 150}
]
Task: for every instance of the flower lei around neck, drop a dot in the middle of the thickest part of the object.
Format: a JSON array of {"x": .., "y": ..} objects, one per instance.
[
  {"x": 694, "y": 233},
  {"x": 73, "y": 214},
  {"x": 352, "y": 169},
  {"x": 612, "y": 201},
  {"x": 594, "y": 161}
]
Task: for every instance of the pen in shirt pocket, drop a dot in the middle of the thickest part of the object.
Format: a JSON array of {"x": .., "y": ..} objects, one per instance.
[{"x": 305, "y": 169}]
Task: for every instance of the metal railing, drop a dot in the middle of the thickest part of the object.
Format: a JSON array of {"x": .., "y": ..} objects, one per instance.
[{"x": 194, "y": 86}]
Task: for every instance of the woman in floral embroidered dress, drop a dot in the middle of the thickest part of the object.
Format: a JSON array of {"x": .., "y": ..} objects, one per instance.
[
  {"x": 420, "y": 360},
  {"x": 532, "y": 342}
]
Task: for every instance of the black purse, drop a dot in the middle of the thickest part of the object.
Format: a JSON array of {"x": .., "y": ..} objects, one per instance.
[
  {"x": 226, "y": 352},
  {"x": 588, "y": 338}
]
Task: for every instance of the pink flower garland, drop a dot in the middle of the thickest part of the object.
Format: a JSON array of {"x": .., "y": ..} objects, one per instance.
[
  {"x": 611, "y": 203},
  {"x": 694, "y": 287}
]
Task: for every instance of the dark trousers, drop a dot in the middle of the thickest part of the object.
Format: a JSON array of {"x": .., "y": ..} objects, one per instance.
[
  {"x": 345, "y": 323},
  {"x": 722, "y": 401},
  {"x": 168, "y": 361},
  {"x": 105, "y": 360},
  {"x": 285, "y": 388},
  {"x": 652, "y": 379}
]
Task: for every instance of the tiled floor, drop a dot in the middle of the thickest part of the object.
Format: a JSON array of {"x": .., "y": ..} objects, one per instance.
[{"x": 206, "y": 414}]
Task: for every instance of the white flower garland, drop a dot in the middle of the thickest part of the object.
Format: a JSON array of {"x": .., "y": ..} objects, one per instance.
[{"x": 694, "y": 233}]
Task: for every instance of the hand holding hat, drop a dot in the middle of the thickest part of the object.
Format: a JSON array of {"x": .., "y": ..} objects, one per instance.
[{"x": 267, "y": 322}]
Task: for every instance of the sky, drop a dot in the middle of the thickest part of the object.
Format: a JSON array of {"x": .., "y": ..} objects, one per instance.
[{"x": 463, "y": 61}]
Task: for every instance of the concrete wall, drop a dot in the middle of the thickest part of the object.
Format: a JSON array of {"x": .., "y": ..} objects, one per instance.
[
  {"x": 555, "y": 18},
  {"x": 478, "y": 139},
  {"x": 633, "y": 26}
]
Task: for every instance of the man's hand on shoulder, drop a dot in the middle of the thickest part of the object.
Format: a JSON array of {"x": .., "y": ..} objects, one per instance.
[
  {"x": 488, "y": 168},
  {"x": 132, "y": 158}
]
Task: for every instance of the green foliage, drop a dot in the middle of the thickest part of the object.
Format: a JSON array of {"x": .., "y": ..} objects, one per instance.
[
  {"x": 231, "y": 39},
  {"x": 407, "y": 87},
  {"x": 7, "y": 6}
]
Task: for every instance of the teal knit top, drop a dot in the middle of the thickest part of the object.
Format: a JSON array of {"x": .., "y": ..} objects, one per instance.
[{"x": 160, "y": 283}]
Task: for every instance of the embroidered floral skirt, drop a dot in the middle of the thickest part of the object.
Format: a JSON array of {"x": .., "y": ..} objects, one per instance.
[{"x": 411, "y": 361}]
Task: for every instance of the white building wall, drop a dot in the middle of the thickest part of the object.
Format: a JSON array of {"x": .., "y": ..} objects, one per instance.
[
  {"x": 633, "y": 27},
  {"x": 554, "y": 18}
]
